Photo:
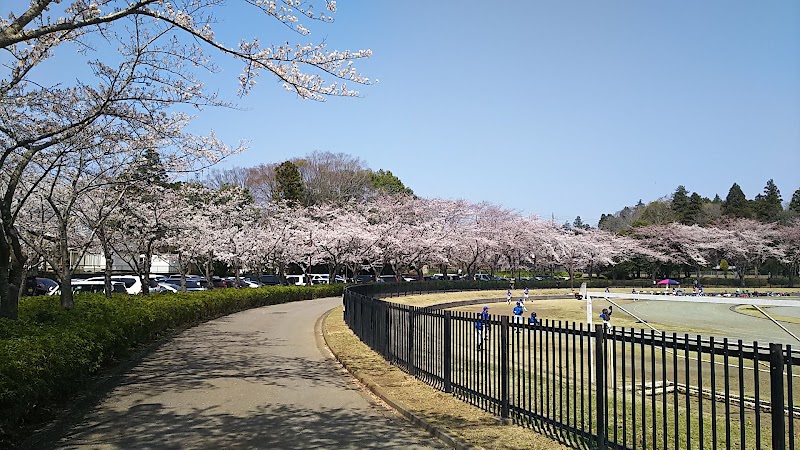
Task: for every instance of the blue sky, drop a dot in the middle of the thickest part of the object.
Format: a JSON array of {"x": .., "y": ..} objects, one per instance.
[{"x": 552, "y": 108}]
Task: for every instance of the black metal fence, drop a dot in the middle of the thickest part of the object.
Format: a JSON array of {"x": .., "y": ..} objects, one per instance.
[{"x": 591, "y": 388}]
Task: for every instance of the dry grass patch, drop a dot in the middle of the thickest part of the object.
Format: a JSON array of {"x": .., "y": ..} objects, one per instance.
[
  {"x": 495, "y": 295},
  {"x": 456, "y": 418},
  {"x": 751, "y": 311}
]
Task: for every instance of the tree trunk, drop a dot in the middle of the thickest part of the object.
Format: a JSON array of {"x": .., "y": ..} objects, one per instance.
[
  {"x": 207, "y": 270},
  {"x": 65, "y": 271},
  {"x": 571, "y": 273},
  {"x": 109, "y": 268},
  {"x": 182, "y": 269},
  {"x": 11, "y": 271},
  {"x": 144, "y": 274}
]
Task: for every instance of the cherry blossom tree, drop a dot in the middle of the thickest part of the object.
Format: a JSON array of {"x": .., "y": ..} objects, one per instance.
[
  {"x": 748, "y": 243},
  {"x": 157, "y": 49},
  {"x": 789, "y": 241}
]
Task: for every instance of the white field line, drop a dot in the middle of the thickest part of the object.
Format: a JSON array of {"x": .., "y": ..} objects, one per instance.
[
  {"x": 608, "y": 295},
  {"x": 699, "y": 299}
]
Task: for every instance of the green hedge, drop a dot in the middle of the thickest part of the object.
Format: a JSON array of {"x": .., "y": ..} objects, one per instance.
[{"x": 49, "y": 351}]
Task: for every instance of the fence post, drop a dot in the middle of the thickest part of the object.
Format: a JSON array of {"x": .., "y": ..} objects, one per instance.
[
  {"x": 388, "y": 336},
  {"x": 600, "y": 384},
  {"x": 448, "y": 352},
  {"x": 504, "y": 369},
  {"x": 411, "y": 366},
  {"x": 776, "y": 396}
]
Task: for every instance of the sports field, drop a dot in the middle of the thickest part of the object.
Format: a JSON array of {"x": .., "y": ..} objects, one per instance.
[{"x": 681, "y": 316}]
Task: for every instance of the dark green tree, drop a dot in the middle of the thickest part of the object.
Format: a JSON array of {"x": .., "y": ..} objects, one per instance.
[
  {"x": 146, "y": 170},
  {"x": 601, "y": 224},
  {"x": 387, "y": 182},
  {"x": 736, "y": 204},
  {"x": 768, "y": 206},
  {"x": 794, "y": 204},
  {"x": 289, "y": 185},
  {"x": 578, "y": 223},
  {"x": 716, "y": 199},
  {"x": 694, "y": 210},
  {"x": 680, "y": 204}
]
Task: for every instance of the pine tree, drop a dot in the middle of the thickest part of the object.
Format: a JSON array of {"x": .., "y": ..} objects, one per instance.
[
  {"x": 794, "y": 205},
  {"x": 736, "y": 204},
  {"x": 578, "y": 223},
  {"x": 768, "y": 205},
  {"x": 694, "y": 210},
  {"x": 289, "y": 184},
  {"x": 680, "y": 203}
]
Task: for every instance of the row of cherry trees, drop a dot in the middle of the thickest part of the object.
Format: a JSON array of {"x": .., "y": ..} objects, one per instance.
[{"x": 197, "y": 226}]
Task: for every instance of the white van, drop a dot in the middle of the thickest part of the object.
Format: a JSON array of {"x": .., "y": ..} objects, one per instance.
[
  {"x": 324, "y": 278},
  {"x": 82, "y": 286},
  {"x": 133, "y": 285},
  {"x": 296, "y": 280}
]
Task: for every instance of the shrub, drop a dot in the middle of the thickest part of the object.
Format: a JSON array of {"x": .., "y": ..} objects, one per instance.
[{"x": 49, "y": 351}]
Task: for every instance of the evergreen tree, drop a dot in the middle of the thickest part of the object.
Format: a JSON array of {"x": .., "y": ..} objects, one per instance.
[
  {"x": 768, "y": 206},
  {"x": 387, "y": 182},
  {"x": 604, "y": 218},
  {"x": 289, "y": 184},
  {"x": 736, "y": 204},
  {"x": 694, "y": 210},
  {"x": 794, "y": 205},
  {"x": 716, "y": 199},
  {"x": 146, "y": 170},
  {"x": 578, "y": 223},
  {"x": 680, "y": 204}
]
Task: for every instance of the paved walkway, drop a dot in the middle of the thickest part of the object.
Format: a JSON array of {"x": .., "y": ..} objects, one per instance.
[{"x": 256, "y": 379}]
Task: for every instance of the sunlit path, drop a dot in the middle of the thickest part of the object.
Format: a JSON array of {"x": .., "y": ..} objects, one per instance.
[{"x": 255, "y": 379}]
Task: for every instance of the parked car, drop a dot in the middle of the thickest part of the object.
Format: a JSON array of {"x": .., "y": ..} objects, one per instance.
[
  {"x": 449, "y": 276},
  {"x": 192, "y": 282},
  {"x": 165, "y": 288},
  {"x": 268, "y": 280},
  {"x": 241, "y": 282},
  {"x": 296, "y": 280},
  {"x": 324, "y": 278},
  {"x": 218, "y": 283},
  {"x": 389, "y": 279},
  {"x": 39, "y": 286},
  {"x": 364, "y": 279},
  {"x": 133, "y": 285},
  {"x": 83, "y": 286},
  {"x": 264, "y": 280}
]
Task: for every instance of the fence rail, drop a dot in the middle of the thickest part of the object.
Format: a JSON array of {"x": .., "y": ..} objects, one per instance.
[{"x": 590, "y": 388}]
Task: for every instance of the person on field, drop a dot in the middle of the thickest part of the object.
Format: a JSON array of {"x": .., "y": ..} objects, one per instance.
[
  {"x": 518, "y": 310},
  {"x": 482, "y": 327},
  {"x": 508, "y": 297},
  {"x": 524, "y": 296},
  {"x": 532, "y": 319},
  {"x": 606, "y": 315}
]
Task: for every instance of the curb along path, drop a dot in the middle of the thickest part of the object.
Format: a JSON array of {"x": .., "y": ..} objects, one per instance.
[{"x": 255, "y": 379}]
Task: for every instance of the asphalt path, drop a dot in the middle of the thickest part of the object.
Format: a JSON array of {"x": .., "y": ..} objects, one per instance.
[
  {"x": 722, "y": 320},
  {"x": 255, "y": 379}
]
